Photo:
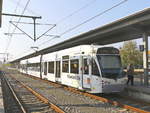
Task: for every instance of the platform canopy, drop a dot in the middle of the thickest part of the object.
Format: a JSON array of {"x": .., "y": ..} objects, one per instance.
[
  {"x": 1, "y": 4},
  {"x": 128, "y": 28}
]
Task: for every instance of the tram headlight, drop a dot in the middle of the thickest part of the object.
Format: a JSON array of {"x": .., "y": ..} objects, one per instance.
[{"x": 105, "y": 82}]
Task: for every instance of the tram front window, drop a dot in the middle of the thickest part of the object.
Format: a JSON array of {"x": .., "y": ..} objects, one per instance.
[{"x": 110, "y": 66}]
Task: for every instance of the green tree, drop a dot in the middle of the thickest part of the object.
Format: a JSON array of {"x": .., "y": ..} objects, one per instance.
[{"x": 131, "y": 54}]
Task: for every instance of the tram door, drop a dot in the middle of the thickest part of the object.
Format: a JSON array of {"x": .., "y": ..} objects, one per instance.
[
  {"x": 86, "y": 78},
  {"x": 57, "y": 73}
]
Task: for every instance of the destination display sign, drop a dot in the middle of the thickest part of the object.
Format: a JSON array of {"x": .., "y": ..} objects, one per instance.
[{"x": 107, "y": 50}]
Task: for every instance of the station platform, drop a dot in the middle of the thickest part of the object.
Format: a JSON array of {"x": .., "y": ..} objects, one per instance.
[
  {"x": 138, "y": 91},
  {"x": 1, "y": 100}
]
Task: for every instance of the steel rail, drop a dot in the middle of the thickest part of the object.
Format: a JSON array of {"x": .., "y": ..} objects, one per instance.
[
  {"x": 15, "y": 96},
  {"x": 41, "y": 97},
  {"x": 115, "y": 103},
  {"x": 108, "y": 101}
]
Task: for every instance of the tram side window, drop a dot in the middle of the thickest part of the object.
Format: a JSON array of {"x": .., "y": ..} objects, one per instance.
[
  {"x": 23, "y": 67},
  {"x": 30, "y": 67},
  {"x": 45, "y": 68},
  {"x": 86, "y": 67},
  {"x": 74, "y": 66},
  {"x": 38, "y": 67},
  {"x": 50, "y": 67},
  {"x": 65, "y": 66},
  {"x": 94, "y": 68}
]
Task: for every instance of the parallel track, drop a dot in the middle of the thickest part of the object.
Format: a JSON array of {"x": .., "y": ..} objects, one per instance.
[
  {"x": 122, "y": 98},
  {"x": 27, "y": 99},
  {"x": 11, "y": 102},
  {"x": 40, "y": 97}
]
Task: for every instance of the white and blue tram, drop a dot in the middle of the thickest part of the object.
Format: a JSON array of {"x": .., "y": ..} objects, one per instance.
[{"x": 91, "y": 68}]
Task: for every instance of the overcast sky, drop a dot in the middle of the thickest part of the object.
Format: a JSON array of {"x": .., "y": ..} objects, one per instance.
[{"x": 53, "y": 12}]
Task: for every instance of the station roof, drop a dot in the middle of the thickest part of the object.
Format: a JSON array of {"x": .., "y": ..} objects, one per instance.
[
  {"x": 128, "y": 28},
  {"x": 1, "y": 3}
]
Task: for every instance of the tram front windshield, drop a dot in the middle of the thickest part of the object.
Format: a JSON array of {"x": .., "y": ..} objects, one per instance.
[{"x": 110, "y": 66}]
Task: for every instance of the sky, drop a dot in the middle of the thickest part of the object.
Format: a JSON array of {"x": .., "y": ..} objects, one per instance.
[{"x": 55, "y": 12}]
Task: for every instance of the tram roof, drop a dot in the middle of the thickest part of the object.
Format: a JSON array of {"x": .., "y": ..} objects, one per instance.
[{"x": 127, "y": 28}]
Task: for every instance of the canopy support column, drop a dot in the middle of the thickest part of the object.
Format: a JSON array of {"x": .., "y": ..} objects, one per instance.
[{"x": 145, "y": 58}]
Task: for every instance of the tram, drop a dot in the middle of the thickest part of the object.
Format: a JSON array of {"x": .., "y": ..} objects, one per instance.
[{"x": 91, "y": 68}]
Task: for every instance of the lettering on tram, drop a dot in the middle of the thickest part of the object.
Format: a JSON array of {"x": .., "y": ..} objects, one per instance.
[{"x": 73, "y": 77}]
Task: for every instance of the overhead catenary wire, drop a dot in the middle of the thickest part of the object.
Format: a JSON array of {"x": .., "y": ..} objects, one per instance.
[
  {"x": 15, "y": 9},
  {"x": 21, "y": 14},
  {"x": 17, "y": 24},
  {"x": 90, "y": 19},
  {"x": 84, "y": 22},
  {"x": 70, "y": 15},
  {"x": 76, "y": 11},
  {"x": 103, "y": 12},
  {"x": 10, "y": 25},
  {"x": 66, "y": 17},
  {"x": 28, "y": 9}
]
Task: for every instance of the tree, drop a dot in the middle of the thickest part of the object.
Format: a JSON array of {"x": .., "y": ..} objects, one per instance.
[{"x": 131, "y": 54}]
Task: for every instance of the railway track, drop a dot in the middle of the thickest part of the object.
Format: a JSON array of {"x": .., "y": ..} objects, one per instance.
[
  {"x": 121, "y": 98},
  {"x": 68, "y": 101},
  {"x": 115, "y": 99},
  {"x": 11, "y": 102},
  {"x": 22, "y": 99}
]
